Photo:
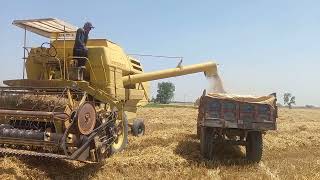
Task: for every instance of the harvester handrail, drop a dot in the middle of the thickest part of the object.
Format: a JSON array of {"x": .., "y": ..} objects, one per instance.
[
  {"x": 28, "y": 52},
  {"x": 87, "y": 59},
  {"x": 56, "y": 58}
]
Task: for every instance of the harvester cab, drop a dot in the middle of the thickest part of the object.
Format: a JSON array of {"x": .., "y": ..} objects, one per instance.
[{"x": 59, "y": 110}]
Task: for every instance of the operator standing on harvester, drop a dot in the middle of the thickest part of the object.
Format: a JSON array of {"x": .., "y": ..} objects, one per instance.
[{"x": 79, "y": 48}]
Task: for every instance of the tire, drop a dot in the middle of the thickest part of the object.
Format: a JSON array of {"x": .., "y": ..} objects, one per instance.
[
  {"x": 254, "y": 146},
  {"x": 198, "y": 130},
  {"x": 121, "y": 144},
  {"x": 203, "y": 143},
  {"x": 206, "y": 142},
  {"x": 138, "y": 128}
]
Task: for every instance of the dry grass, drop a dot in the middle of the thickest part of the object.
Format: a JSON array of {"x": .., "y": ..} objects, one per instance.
[{"x": 170, "y": 150}]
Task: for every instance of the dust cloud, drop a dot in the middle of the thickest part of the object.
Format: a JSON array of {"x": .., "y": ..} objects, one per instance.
[{"x": 215, "y": 85}]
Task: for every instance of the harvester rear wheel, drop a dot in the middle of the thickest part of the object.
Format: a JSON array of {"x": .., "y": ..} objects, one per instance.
[
  {"x": 138, "y": 127},
  {"x": 254, "y": 146},
  {"x": 122, "y": 136}
]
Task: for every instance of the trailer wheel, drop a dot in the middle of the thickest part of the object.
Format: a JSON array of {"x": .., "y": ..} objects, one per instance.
[
  {"x": 138, "y": 127},
  {"x": 198, "y": 130},
  {"x": 206, "y": 142},
  {"x": 254, "y": 146}
]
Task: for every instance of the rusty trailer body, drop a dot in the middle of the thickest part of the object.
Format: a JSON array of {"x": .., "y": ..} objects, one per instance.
[{"x": 236, "y": 120}]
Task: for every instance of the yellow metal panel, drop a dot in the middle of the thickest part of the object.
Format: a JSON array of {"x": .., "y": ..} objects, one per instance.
[
  {"x": 209, "y": 68},
  {"x": 132, "y": 94}
]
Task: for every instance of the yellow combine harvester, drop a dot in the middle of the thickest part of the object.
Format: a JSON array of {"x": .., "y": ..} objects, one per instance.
[{"x": 63, "y": 111}]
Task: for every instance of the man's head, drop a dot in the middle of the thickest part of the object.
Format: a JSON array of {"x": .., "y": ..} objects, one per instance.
[{"x": 87, "y": 26}]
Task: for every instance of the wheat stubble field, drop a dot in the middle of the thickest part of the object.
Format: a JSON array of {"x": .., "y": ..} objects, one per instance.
[{"x": 170, "y": 150}]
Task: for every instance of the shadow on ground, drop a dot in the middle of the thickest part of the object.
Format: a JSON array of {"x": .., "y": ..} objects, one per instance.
[
  {"x": 63, "y": 169},
  {"x": 226, "y": 155}
]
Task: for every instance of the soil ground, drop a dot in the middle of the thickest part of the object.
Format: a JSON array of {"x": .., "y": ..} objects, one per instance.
[{"x": 170, "y": 150}]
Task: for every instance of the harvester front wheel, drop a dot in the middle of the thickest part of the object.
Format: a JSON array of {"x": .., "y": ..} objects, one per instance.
[{"x": 121, "y": 140}]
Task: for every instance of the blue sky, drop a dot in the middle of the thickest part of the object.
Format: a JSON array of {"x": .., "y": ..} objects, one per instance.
[{"x": 261, "y": 46}]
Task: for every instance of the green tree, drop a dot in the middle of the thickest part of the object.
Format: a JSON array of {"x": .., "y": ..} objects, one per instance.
[
  {"x": 289, "y": 99},
  {"x": 165, "y": 92}
]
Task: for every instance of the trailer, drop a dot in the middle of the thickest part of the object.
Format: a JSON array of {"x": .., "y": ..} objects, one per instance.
[{"x": 236, "y": 120}]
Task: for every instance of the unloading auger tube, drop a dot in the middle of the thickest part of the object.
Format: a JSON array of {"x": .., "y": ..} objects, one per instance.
[{"x": 209, "y": 69}]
